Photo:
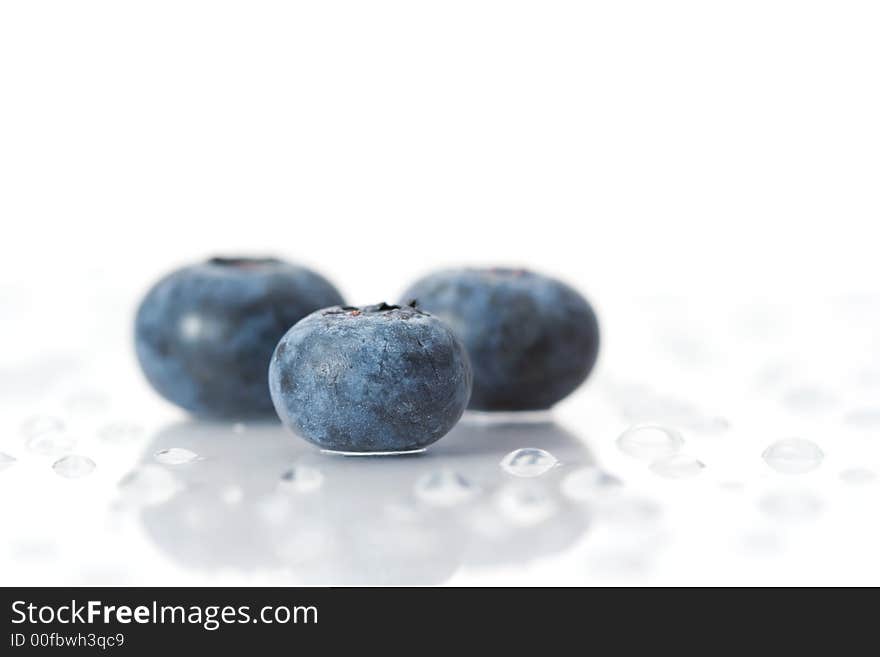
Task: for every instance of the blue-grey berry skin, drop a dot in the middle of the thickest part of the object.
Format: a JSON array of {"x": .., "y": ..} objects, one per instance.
[
  {"x": 372, "y": 379},
  {"x": 531, "y": 339},
  {"x": 204, "y": 334}
]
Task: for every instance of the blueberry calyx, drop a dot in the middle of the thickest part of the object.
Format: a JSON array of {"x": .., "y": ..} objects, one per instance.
[
  {"x": 243, "y": 262},
  {"x": 408, "y": 311}
]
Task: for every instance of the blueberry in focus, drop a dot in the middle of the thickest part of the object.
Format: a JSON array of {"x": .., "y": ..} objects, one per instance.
[
  {"x": 372, "y": 379},
  {"x": 204, "y": 334},
  {"x": 531, "y": 339}
]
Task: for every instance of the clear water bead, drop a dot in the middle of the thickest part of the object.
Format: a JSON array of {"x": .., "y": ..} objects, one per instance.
[
  {"x": 650, "y": 442},
  {"x": 677, "y": 466},
  {"x": 587, "y": 483},
  {"x": 528, "y": 462},
  {"x": 301, "y": 479},
  {"x": 793, "y": 456},
  {"x": 175, "y": 456},
  {"x": 526, "y": 503},
  {"x": 74, "y": 466},
  {"x": 855, "y": 476},
  {"x": 6, "y": 460},
  {"x": 445, "y": 488}
]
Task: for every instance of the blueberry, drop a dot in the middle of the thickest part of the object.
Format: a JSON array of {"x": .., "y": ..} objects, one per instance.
[
  {"x": 373, "y": 379},
  {"x": 531, "y": 339},
  {"x": 204, "y": 334}
]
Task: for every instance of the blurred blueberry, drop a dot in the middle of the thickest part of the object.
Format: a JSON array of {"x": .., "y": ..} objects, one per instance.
[
  {"x": 204, "y": 334},
  {"x": 531, "y": 339},
  {"x": 373, "y": 379}
]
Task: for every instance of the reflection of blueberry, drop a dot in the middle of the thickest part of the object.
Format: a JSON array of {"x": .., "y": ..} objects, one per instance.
[
  {"x": 531, "y": 339},
  {"x": 374, "y": 379},
  {"x": 204, "y": 334}
]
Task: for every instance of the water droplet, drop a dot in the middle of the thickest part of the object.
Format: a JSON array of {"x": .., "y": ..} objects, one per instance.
[
  {"x": 239, "y": 427},
  {"x": 40, "y": 424},
  {"x": 6, "y": 460},
  {"x": 858, "y": 476},
  {"x": 301, "y": 479},
  {"x": 793, "y": 456},
  {"x": 148, "y": 485},
  {"x": 526, "y": 503},
  {"x": 790, "y": 505},
  {"x": 74, "y": 466},
  {"x": 120, "y": 432},
  {"x": 175, "y": 456},
  {"x": 677, "y": 466},
  {"x": 445, "y": 488},
  {"x": 864, "y": 418},
  {"x": 650, "y": 442},
  {"x": 587, "y": 483},
  {"x": 528, "y": 462}
]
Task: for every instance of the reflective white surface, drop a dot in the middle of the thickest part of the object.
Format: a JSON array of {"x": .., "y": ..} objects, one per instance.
[{"x": 252, "y": 504}]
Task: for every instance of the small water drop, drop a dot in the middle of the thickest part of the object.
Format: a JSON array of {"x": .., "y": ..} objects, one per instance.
[
  {"x": 677, "y": 466},
  {"x": 528, "y": 462},
  {"x": 74, "y": 466},
  {"x": 175, "y": 456},
  {"x": 650, "y": 442},
  {"x": 40, "y": 424},
  {"x": 445, "y": 488},
  {"x": 301, "y": 479},
  {"x": 526, "y": 503},
  {"x": 120, "y": 432},
  {"x": 148, "y": 485},
  {"x": 793, "y": 456},
  {"x": 587, "y": 483},
  {"x": 239, "y": 427},
  {"x": 791, "y": 505},
  {"x": 858, "y": 476},
  {"x": 6, "y": 461}
]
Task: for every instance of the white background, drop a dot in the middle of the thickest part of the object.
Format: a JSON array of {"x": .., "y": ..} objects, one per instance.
[{"x": 694, "y": 167}]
